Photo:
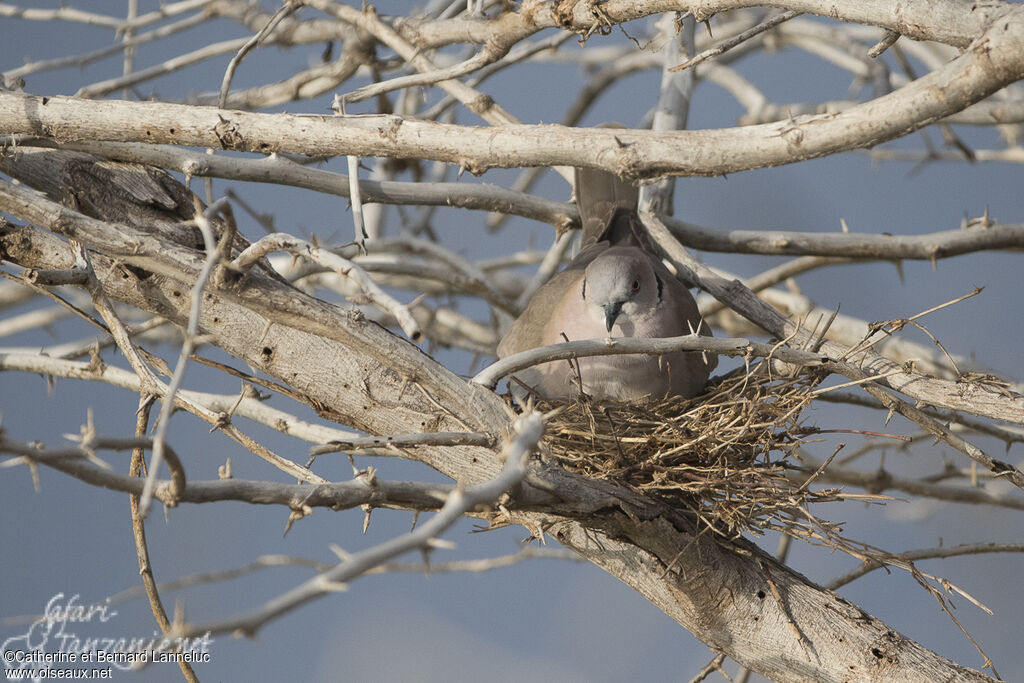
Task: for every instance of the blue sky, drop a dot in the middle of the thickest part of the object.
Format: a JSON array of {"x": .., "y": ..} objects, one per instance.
[{"x": 544, "y": 619}]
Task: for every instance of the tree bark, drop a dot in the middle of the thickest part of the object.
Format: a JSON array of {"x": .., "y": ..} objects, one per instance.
[
  {"x": 730, "y": 595},
  {"x": 994, "y": 59}
]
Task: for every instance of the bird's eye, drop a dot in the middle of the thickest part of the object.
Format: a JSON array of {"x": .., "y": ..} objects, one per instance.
[{"x": 636, "y": 286}]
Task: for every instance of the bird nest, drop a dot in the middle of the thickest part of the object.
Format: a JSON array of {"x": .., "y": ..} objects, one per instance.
[{"x": 727, "y": 455}]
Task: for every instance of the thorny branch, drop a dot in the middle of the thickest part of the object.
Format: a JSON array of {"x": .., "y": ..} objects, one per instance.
[
  {"x": 406, "y": 59},
  {"x": 425, "y": 537}
]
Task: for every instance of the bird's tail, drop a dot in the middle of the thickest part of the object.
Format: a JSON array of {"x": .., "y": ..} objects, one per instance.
[{"x": 606, "y": 202}]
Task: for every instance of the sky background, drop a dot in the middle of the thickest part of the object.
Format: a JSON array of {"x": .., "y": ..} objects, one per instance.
[{"x": 543, "y": 619}]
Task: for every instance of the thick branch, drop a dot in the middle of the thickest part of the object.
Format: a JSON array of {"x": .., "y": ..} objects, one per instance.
[
  {"x": 928, "y": 247},
  {"x": 365, "y": 376},
  {"x": 369, "y": 378},
  {"x": 969, "y": 397},
  {"x": 947, "y": 21},
  {"x": 282, "y": 171},
  {"x": 993, "y": 61}
]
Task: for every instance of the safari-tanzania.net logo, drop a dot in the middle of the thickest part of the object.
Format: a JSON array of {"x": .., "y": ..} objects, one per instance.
[{"x": 52, "y": 646}]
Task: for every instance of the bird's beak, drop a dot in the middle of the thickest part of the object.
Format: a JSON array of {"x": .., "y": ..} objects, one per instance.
[{"x": 611, "y": 312}]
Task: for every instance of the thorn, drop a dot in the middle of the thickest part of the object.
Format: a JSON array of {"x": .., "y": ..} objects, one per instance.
[
  {"x": 441, "y": 543},
  {"x": 342, "y": 554},
  {"x": 415, "y": 518},
  {"x": 96, "y": 363},
  {"x": 221, "y": 420},
  {"x": 91, "y": 434},
  {"x": 843, "y": 225},
  {"x": 366, "y": 517},
  {"x": 295, "y": 515},
  {"x": 537, "y": 533},
  {"x": 179, "y": 615}
]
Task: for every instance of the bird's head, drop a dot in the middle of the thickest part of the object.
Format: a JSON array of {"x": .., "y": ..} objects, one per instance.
[{"x": 620, "y": 286}]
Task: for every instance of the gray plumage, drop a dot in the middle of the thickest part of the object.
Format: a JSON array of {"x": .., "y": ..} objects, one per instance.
[{"x": 613, "y": 288}]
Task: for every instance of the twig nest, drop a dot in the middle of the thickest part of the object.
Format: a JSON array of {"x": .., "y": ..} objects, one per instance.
[{"x": 724, "y": 454}]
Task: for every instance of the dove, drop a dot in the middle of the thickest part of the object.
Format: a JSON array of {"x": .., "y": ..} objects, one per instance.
[{"x": 614, "y": 287}]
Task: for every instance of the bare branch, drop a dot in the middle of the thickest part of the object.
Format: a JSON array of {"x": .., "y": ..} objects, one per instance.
[
  {"x": 341, "y": 266},
  {"x": 971, "y": 399},
  {"x": 280, "y": 170},
  {"x": 135, "y": 224},
  {"x": 286, "y": 9},
  {"x": 938, "y": 430},
  {"x": 881, "y": 480},
  {"x": 14, "y": 293},
  {"x": 528, "y": 433},
  {"x": 213, "y": 255},
  {"x": 1009, "y": 435},
  {"x": 586, "y": 348},
  {"x": 918, "y": 20},
  {"x": 61, "y": 14},
  {"x": 170, "y": 66},
  {"x": 673, "y": 107},
  {"x": 727, "y": 45},
  {"x": 32, "y": 319},
  {"x": 476, "y": 102},
  {"x": 139, "y": 532},
  {"x": 993, "y": 63},
  {"x": 928, "y": 247},
  {"x": 399, "y": 441},
  {"x": 339, "y": 495},
  {"x": 549, "y": 264},
  {"x": 927, "y": 554},
  {"x": 268, "y": 561},
  {"x": 213, "y": 404},
  {"x": 32, "y": 67}
]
